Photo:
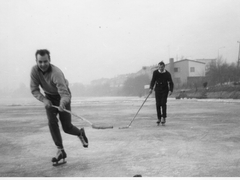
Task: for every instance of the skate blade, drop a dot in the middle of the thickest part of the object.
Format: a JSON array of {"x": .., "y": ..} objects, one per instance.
[{"x": 59, "y": 163}]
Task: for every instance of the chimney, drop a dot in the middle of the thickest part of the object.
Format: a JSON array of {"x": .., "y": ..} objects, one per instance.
[{"x": 171, "y": 66}]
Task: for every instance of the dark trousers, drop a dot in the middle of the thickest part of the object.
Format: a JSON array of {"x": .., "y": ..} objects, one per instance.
[
  {"x": 64, "y": 117},
  {"x": 161, "y": 104}
]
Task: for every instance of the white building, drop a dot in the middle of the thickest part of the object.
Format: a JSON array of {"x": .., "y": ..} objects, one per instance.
[{"x": 186, "y": 71}]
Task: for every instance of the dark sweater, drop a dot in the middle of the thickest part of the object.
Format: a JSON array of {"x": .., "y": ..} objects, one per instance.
[{"x": 162, "y": 81}]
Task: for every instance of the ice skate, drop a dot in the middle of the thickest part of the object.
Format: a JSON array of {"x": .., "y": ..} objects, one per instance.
[
  {"x": 61, "y": 155},
  {"x": 158, "y": 122},
  {"x": 83, "y": 138},
  {"x": 163, "y": 121}
]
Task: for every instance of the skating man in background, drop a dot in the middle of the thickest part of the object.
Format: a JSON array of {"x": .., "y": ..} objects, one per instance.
[
  {"x": 52, "y": 81},
  {"x": 162, "y": 80}
]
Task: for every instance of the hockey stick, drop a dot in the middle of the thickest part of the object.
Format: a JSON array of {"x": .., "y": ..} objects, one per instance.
[
  {"x": 93, "y": 126},
  {"x": 136, "y": 113}
]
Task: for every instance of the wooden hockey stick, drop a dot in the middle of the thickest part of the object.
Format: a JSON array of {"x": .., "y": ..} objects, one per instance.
[
  {"x": 126, "y": 127},
  {"x": 93, "y": 126}
]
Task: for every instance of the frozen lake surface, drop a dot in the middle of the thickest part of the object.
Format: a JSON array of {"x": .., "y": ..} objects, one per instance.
[{"x": 201, "y": 139}]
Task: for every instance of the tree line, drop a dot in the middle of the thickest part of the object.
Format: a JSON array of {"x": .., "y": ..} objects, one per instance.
[
  {"x": 133, "y": 86},
  {"x": 221, "y": 73},
  {"x": 218, "y": 74}
]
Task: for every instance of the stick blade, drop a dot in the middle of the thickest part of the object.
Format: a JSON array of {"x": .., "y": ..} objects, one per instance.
[
  {"x": 126, "y": 127},
  {"x": 101, "y": 127}
]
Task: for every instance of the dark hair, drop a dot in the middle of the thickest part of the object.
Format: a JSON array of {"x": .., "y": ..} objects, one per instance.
[
  {"x": 42, "y": 52},
  {"x": 161, "y": 63}
]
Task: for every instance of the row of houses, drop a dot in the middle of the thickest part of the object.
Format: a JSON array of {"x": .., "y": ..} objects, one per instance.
[{"x": 184, "y": 71}]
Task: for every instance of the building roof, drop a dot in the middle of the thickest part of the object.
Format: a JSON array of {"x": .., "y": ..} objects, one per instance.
[
  {"x": 188, "y": 60},
  {"x": 196, "y": 61}
]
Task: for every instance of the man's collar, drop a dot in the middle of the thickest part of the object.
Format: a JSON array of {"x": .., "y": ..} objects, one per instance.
[
  {"x": 162, "y": 72},
  {"x": 48, "y": 70}
]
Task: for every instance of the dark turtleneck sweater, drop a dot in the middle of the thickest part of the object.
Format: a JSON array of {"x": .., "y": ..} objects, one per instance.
[{"x": 162, "y": 81}]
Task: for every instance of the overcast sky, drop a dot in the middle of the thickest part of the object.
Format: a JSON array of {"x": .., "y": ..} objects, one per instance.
[{"x": 92, "y": 39}]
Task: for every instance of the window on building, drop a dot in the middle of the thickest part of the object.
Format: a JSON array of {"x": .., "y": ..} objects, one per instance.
[
  {"x": 176, "y": 69},
  {"x": 192, "y": 69}
]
